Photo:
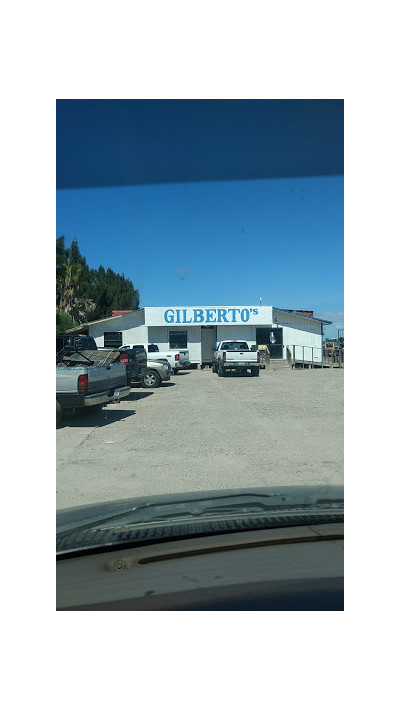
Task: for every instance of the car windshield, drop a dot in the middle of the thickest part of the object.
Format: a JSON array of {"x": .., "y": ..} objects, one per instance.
[{"x": 200, "y": 227}]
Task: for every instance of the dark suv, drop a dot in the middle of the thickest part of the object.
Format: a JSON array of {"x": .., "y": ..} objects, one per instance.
[
  {"x": 69, "y": 342},
  {"x": 135, "y": 359}
]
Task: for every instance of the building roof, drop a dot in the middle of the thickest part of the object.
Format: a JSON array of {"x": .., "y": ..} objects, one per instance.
[
  {"x": 296, "y": 313},
  {"x": 302, "y": 312},
  {"x": 76, "y": 329}
]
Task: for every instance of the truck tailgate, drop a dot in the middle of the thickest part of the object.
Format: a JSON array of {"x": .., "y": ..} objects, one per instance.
[
  {"x": 241, "y": 357},
  {"x": 106, "y": 376},
  {"x": 183, "y": 356},
  {"x": 100, "y": 377}
]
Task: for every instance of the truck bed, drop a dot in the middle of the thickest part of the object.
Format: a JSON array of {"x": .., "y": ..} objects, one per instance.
[{"x": 103, "y": 356}]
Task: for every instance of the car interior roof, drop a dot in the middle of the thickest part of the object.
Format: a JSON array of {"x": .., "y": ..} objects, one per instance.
[{"x": 102, "y": 143}]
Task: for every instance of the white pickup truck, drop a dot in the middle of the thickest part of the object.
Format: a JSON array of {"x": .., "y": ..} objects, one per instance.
[
  {"x": 235, "y": 355},
  {"x": 177, "y": 357}
]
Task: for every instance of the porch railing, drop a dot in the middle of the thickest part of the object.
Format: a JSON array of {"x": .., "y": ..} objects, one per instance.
[{"x": 311, "y": 356}]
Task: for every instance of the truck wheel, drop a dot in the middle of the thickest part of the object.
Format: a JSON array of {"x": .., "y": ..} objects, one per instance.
[
  {"x": 255, "y": 371},
  {"x": 58, "y": 413},
  {"x": 176, "y": 371},
  {"x": 151, "y": 379},
  {"x": 221, "y": 372}
]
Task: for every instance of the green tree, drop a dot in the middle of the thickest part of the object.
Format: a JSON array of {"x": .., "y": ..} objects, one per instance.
[
  {"x": 89, "y": 294},
  {"x": 64, "y": 321},
  {"x": 60, "y": 267},
  {"x": 70, "y": 300}
]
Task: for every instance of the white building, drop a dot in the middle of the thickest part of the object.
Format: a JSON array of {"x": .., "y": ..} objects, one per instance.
[{"x": 200, "y": 328}]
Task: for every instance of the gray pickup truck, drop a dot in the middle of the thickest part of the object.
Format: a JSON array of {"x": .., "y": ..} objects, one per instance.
[{"x": 84, "y": 379}]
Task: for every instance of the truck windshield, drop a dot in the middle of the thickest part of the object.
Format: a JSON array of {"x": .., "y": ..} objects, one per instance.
[{"x": 235, "y": 346}]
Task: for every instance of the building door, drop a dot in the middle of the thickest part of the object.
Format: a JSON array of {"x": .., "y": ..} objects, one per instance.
[
  {"x": 273, "y": 338},
  {"x": 208, "y": 339}
]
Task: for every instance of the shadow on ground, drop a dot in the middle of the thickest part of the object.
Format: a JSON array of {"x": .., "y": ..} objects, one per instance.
[
  {"x": 99, "y": 419},
  {"x": 232, "y": 374},
  {"x": 133, "y": 395}
]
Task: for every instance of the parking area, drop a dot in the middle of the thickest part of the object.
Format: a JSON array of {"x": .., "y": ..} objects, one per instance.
[{"x": 200, "y": 432}]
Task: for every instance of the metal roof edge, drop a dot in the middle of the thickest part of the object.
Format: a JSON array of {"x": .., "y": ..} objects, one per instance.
[
  {"x": 91, "y": 323},
  {"x": 309, "y": 318},
  {"x": 101, "y": 320}
]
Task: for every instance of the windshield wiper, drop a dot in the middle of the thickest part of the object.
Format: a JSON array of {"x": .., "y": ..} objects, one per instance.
[{"x": 226, "y": 506}]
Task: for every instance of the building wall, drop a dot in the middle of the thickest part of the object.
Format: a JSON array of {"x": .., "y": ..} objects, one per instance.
[
  {"x": 129, "y": 325},
  {"x": 136, "y": 335},
  {"x": 303, "y": 333},
  {"x": 237, "y": 333}
]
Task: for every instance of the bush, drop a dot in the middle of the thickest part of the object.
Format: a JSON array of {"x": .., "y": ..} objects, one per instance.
[{"x": 64, "y": 321}]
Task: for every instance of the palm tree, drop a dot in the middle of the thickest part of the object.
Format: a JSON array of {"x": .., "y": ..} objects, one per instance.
[
  {"x": 69, "y": 300},
  {"x": 70, "y": 287}
]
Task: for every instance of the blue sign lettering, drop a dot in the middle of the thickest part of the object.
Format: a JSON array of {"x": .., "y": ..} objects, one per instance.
[
  {"x": 222, "y": 316},
  {"x": 198, "y": 316},
  {"x": 185, "y": 318},
  {"x": 169, "y": 315},
  {"x": 209, "y": 315},
  {"x": 233, "y": 312}
]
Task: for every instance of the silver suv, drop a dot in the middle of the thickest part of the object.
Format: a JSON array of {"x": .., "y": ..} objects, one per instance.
[{"x": 157, "y": 372}]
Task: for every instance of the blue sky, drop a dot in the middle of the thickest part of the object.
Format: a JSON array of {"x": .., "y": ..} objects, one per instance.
[{"x": 217, "y": 242}]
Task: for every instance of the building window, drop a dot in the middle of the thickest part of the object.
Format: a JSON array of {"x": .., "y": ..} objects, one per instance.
[
  {"x": 112, "y": 339},
  {"x": 178, "y": 339}
]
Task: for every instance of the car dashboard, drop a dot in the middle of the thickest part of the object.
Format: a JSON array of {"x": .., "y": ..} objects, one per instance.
[{"x": 298, "y": 568}]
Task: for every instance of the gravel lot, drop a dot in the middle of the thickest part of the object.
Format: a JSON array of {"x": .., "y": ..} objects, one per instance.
[{"x": 203, "y": 432}]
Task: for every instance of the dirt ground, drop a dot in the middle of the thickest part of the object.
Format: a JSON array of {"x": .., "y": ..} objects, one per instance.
[{"x": 201, "y": 432}]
